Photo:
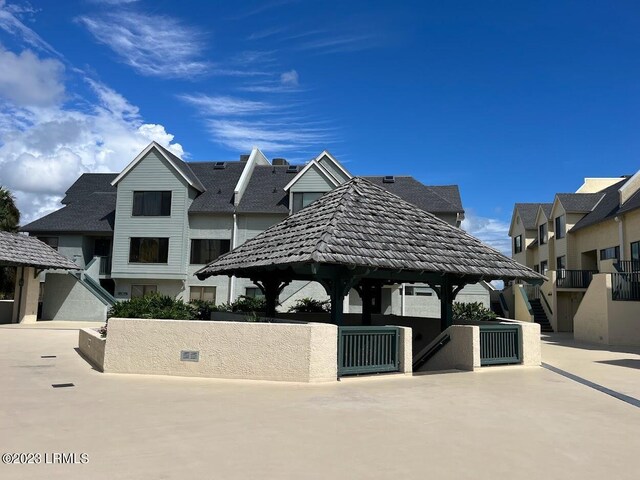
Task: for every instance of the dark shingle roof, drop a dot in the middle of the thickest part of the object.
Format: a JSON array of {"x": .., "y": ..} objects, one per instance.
[
  {"x": 631, "y": 204},
  {"x": 360, "y": 224},
  {"x": 579, "y": 202},
  {"x": 435, "y": 199},
  {"x": 529, "y": 211},
  {"x": 219, "y": 185},
  {"x": 23, "y": 251},
  {"x": 184, "y": 168},
  {"x": 90, "y": 205},
  {"x": 607, "y": 208},
  {"x": 265, "y": 191}
]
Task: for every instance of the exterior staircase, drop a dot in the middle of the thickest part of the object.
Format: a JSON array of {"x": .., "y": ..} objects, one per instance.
[{"x": 540, "y": 316}]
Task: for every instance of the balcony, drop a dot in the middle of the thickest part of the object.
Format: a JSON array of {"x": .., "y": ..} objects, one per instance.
[
  {"x": 574, "y": 278},
  {"x": 625, "y": 286},
  {"x": 105, "y": 265},
  {"x": 627, "y": 266}
]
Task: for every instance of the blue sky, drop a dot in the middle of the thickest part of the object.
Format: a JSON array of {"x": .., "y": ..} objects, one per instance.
[{"x": 512, "y": 101}]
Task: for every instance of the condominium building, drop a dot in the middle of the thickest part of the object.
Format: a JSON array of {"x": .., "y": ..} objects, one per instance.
[
  {"x": 587, "y": 243},
  {"x": 150, "y": 227}
]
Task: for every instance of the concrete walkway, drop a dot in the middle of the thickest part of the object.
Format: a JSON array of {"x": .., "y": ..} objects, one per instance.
[
  {"x": 616, "y": 368},
  {"x": 504, "y": 423}
]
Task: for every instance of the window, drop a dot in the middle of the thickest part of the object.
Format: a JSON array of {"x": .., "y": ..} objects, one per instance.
[
  {"x": 51, "y": 241},
  {"x": 206, "y": 294},
  {"x": 536, "y": 268},
  {"x": 418, "y": 291},
  {"x": 301, "y": 200},
  {"x": 608, "y": 253},
  {"x": 253, "y": 292},
  {"x": 561, "y": 226},
  {"x": 635, "y": 251},
  {"x": 544, "y": 267},
  {"x": 151, "y": 204},
  {"x": 142, "y": 290},
  {"x": 204, "y": 251},
  {"x": 517, "y": 244},
  {"x": 149, "y": 250},
  {"x": 543, "y": 234},
  {"x": 561, "y": 262}
]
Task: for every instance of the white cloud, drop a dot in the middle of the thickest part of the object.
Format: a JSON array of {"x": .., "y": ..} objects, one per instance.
[
  {"x": 243, "y": 135},
  {"x": 341, "y": 44},
  {"x": 492, "y": 231},
  {"x": 153, "y": 45},
  {"x": 27, "y": 80},
  {"x": 224, "y": 105},
  {"x": 43, "y": 150},
  {"x": 10, "y": 23},
  {"x": 289, "y": 78}
]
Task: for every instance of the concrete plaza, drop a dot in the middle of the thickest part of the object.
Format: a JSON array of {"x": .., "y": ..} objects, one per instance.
[{"x": 515, "y": 423}]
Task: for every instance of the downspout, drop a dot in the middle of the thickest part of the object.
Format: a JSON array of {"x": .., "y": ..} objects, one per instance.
[
  {"x": 21, "y": 285},
  {"x": 621, "y": 236},
  {"x": 232, "y": 279},
  {"x": 402, "y": 292}
]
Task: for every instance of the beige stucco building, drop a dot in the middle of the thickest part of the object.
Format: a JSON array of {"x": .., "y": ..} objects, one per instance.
[{"x": 592, "y": 233}]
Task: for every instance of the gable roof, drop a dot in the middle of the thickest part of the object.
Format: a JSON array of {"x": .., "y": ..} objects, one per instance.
[
  {"x": 177, "y": 163},
  {"x": 22, "y": 251},
  {"x": 529, "y": 211},
  {"x": 90, "y": 205},
  {"x": 315, "y": 164},
  {"x": 360, "y": 224},
  {"x": 607, "y": 208},
  {"x": 265, "y": 192},
  {"x": 434, "y": 199},
  {"x": 579, "y": 202},
  {"x": 218, "y": 184}
]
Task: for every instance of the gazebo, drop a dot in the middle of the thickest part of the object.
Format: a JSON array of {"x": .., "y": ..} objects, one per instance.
[
  {"x": 361, "y": 236},
  {"x": 30, "y": 256}
]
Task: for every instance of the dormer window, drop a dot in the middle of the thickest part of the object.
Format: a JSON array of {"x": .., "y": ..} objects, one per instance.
[
  {"x": 151, "y": 204},
  {"x": 543, "y": 234},
  {"x": 302, "y": 199}
]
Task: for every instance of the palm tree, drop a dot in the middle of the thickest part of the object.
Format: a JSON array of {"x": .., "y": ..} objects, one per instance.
[
  {"x": 9, "y": 213},
  {"x": 9, "y": 222}
]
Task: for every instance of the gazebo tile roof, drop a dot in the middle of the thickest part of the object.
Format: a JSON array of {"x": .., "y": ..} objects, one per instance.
[
  {"x": 23, "y": 251},
  {"x": 360, "y": 224}
]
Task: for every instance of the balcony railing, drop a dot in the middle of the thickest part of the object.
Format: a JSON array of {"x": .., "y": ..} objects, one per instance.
[
  {"x": 625, "y": 286},
  {"x": 627, "y": 266},
  {"x": 105, "y": 265},
  {"x": 574, "y": 278}
]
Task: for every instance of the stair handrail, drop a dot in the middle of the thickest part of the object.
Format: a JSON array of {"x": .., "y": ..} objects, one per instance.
[
  {"x": 434, "y": 347},
  {"x": 544, "y": 297}
]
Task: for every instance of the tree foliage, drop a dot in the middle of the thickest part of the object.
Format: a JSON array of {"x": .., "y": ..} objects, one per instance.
[
  {"x": 9, "y": 222},
  {"x": 475, "y": 311}
]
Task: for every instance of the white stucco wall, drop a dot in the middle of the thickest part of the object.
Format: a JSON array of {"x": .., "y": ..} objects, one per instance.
[
  {"x": 92, "y": 346},
  {"x": 241, "y": 350},
  {"x": 461, "y": 353}
]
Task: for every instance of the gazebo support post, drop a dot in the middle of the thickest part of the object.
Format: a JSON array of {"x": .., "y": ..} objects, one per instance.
[
  {"x": 271, "y": 288},
  {"x": 337, "y": 287},
  {"x": 447, "y": 294}
]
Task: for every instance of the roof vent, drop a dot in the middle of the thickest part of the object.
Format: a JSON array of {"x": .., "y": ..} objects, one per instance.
[
  {"x": 244, "y": 158},
  {"x": 292, "y": 169},
  {"x": 280, "y": 161},
  {"x": 219, "y": 165},
  {"x": 389, "y": 179}
]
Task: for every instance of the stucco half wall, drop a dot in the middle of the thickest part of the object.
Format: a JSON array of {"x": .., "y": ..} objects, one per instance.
[{"x": 293, "y": 352}]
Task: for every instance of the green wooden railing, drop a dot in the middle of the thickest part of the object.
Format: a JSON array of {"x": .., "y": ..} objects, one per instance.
[
  {"x": 363, "y": 350},
  {"x": 499, "y": 345}
]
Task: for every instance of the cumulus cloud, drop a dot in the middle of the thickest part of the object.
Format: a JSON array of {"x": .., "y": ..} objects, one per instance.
[
  {"x": 154, "y": 45},
  {"x": 43, "y": 150},
  {"x": 492, "y": 231},
  {"x": 27, "y": 80}
]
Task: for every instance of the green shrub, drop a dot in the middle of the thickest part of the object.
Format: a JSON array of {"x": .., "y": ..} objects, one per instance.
[
  {"x": 475, "y": 311},
  {"x": 310, "y": 305},
  {"x": 204, "y": 309},
  {"x": 154, "y": 306},
  {"x": 245, "y": 305}
]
